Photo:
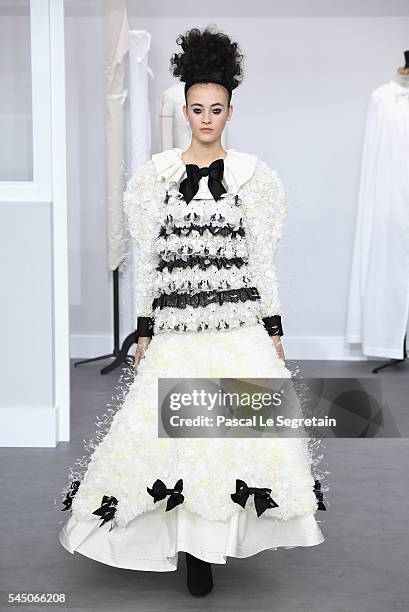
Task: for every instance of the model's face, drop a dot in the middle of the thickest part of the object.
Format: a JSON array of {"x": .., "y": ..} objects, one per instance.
[{"x": 207, "y": 107}]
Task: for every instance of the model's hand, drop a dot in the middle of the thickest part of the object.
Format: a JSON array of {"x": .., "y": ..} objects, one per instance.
[
  {"x": 278, "y": 347},
  {"x": 143, "y": 343}
]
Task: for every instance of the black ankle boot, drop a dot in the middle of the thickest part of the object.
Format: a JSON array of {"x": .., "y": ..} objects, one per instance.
[{"x": 199, "y": 576}]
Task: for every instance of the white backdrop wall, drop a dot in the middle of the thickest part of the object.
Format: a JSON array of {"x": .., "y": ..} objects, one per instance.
[
  {"x": 34, "y": 363},
  {"x": 301, "y": 107}
]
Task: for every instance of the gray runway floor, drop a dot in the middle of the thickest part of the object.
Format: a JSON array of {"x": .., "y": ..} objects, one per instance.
[{"x": 361, "y": 567}]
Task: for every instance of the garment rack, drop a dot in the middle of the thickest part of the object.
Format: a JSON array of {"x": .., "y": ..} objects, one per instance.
[{"x": 120, "y": 355}]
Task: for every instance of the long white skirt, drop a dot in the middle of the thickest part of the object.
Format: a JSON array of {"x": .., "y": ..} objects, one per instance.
[{"x": 142, "y": 534}]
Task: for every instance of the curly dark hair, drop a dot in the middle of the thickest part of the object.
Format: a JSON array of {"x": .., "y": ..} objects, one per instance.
[{"x": 207, "y": 51}]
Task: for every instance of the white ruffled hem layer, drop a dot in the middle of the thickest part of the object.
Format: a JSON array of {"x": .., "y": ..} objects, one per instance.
[{"x": 152, "y": 540}]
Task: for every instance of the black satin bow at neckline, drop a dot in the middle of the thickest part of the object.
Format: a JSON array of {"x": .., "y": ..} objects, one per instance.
[{"x": 190, "y": 185}]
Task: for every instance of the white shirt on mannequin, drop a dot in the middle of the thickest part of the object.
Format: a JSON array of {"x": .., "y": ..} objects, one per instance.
[{"x": 378, "y": 305}]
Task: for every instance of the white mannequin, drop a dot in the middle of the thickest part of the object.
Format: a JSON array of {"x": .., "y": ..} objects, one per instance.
[
  {"x": 402, "y": 77},
  {"x": 174, "y": 129},
  {"x": 379, "y": 287}
]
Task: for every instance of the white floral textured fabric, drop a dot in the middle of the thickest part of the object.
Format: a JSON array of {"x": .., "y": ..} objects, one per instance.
[
  {"x": 205, "y": 265},
  {"x": 131, "y": 456},
  {"x": 141, "y": 206},
  {"x": 265, "y": 205}
]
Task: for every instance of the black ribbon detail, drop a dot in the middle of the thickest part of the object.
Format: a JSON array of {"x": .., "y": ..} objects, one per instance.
[
  {"x": 319, "y": 495},
  {"x": 203, "y": 298},
  {"x": 262, "y": 499},
  {"x": 215, "y": 230},
  {"x": 201, "y": 262},
  {"x": 190, "y": 185},
  {"x": 72, "y": 491},
  {"x": 107, "y": 509},
  {"x": 144, "y": 327},
  {"x": 160, "y": 491}
]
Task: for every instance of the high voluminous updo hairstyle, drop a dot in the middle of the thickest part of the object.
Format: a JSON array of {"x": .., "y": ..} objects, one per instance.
[{"x": 208, "y": 56}]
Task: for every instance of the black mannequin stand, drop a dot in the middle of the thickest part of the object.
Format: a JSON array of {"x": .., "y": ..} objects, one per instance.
[
  {"x": 392, "y": 362},
  {"x": 120, "y": 355}
]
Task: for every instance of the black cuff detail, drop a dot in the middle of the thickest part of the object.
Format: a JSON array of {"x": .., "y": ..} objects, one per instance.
[
  {"x": 144, "y": 327},
  {"x": 273, "y": 325}
]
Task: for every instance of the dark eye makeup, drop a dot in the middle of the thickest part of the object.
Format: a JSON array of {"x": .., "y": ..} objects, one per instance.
[{"x": 217, "y": 111}]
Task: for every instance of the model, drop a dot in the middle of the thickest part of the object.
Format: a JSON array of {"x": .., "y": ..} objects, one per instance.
[{"x": 207, "y": 222}]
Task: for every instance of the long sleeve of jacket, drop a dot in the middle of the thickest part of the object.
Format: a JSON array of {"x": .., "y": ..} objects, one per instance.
[
  {"x": 265, "y": 213},
  {"x": 143, "y": 226}
]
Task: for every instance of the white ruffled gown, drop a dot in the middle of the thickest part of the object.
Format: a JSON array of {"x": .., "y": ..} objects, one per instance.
[{"x": 140, "y": 534}]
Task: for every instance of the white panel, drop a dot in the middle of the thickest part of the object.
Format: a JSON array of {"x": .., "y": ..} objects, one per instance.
[
  {"x": 26, "y": 305},
  {"x": 33, "y": 256},
  {"x": 38, "y": 187},
  {"x": 22, "y": 428},
  {"x": 16, "y": 128},
  {"x": 59, "y": 220}
]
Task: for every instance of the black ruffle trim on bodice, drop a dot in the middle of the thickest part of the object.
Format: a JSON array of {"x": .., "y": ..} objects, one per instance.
[
  {"x": 192, "y": 217},
  {"x": 213, "y": 229},
  {"x": 273, "y": 325},
  {"x": 201, "y": 262},
  {"x": 203, "y": 298}
]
